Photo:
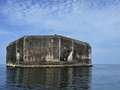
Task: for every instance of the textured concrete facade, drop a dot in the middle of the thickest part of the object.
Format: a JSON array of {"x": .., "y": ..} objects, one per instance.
[{"x": 48, "y": 50}]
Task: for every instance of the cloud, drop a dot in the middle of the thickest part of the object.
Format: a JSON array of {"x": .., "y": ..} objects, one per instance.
[
  {"x": 83, "y": 18},
  {"x": 37, "y": 12},
  {"x": 6, "y": 33},
  {"x": 33, "y": 12}
]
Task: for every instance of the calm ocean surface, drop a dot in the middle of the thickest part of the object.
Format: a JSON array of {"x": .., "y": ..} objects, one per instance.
[{"x": 98, "y": 77}]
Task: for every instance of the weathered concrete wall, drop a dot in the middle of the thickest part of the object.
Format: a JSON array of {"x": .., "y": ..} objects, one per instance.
[
  {"x": 13, "y": 49},
  {"x": 81, "y": 52},
  {"x": 11, "y": 53},
  {"x": 19, "y": 49},
  {"x": 40, "y": 50},
  {"x": 66, "y": 48}
]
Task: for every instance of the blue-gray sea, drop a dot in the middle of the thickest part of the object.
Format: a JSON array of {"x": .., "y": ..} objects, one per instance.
[{"x": 98, "y": 77}]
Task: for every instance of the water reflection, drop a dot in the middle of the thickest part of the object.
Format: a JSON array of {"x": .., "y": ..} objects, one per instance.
[{"x": 49, "y": 78}]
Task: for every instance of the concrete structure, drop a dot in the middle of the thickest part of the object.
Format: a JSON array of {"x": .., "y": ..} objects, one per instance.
[{"x": 48, "y": 51}]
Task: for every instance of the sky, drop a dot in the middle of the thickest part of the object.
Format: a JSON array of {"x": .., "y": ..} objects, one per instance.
[{"x": 94, "y": 21}]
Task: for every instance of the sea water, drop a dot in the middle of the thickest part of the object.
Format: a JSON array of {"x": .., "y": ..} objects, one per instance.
[{"x": 98, "y": 77}]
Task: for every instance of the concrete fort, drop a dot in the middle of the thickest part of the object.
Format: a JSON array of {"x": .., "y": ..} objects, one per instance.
[{"x": 48, "y": 51}]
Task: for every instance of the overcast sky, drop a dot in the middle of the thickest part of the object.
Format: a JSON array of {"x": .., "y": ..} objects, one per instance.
[{"x": 93, "y": 21}]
